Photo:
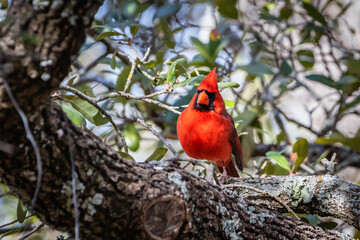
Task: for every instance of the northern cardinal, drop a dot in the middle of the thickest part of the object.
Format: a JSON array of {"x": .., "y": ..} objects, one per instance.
[{"x": 207, "y": 131}]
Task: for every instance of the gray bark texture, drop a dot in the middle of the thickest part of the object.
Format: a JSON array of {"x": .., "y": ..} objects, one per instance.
[
  {"x": 323, "y": 195},
  {"x": 118, "y": 199}
]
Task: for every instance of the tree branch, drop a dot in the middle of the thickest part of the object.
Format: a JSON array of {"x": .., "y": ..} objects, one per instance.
[
  {"x": 133, "y": 196},
  {"x": 324, "y": 195},
  {"x": 118, "y": 199}
]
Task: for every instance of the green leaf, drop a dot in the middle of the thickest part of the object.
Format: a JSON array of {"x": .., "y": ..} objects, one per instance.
[
  {"x": 306, "y": 58},
  {"x": 256, "y": 69},
  {"x": 170, "y": 43},
  {"x": 286, "y": 12},
  {"x": 313, "y": 219},
  {"x": 247, "y": 117},
  {"x": 285, "y": 68},
  {"x": 181, "y": 62},
  {"x": 99, "y": 119},
  {"x": 224, "y": 85},
  {"x": 273, "y": 169},
  {"x": 227, "y": 8},
  {"x": 314, "y": 13},
  {"x": 4, "y": 4},
  {"x": 202, "y": 48},
  {"x": 353, "y": 66},
  {"x": 279, "y": 159},
  {"x": 269, "y": 6},
  {"x": 199, "y": 60},
  {"x": 132, "y": 137},
  {"x": 129, "y": 10},
  {"x": 157, "y": 155},
  {"x": 280, "y": 137},
  {"x": 76, "y": 117},
  {"x": 327, "y": 225},
  {"x": 336, "y": 137},
  {"x": 322, "y": 79},
  {"x": 322, "y": 156},
  {"x": 122, "y": 77},
  {"x": 108, "y": 34},
  {"x": 351, "y": 104},
  {"x": 126, "y": 156},
  {"x": 301, "y": 148},
  {"x": 85, "y": 108},
  {"x": 170, "y": 76},
  {"x": 326, "y": 141},
  {"x": 167, "y": 10},
  {"x": 347, "y": 79},
  {"x": 20, "y": 229},
  {"x": 149, "y": 65},
  {"x": 267, "y": 16},
  {"x": 357, "y": 234},
  {"x": 20, "y": 212},
  {"x": 113, "y": 61},
  {"x": 98, "y": 26},
  {"x": 134, "y": 29},
  {"x": 71, "y": 81},
  {"x": 190, "y": 81},
  {"x": 229, "y": 104},
  {"x": 214, "y": 49}
]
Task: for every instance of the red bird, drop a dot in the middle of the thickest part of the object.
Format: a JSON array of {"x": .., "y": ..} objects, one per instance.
[{"x": 207, "y": 131}]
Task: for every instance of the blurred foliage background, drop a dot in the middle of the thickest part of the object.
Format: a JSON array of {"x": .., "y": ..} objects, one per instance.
[{"x": 288, "y": 70}]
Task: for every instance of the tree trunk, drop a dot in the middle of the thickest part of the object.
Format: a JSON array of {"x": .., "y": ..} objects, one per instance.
[{"x": 118, "y": 199}]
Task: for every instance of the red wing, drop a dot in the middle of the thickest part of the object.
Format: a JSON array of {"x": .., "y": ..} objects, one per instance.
[{"x": 235, "y": 145}]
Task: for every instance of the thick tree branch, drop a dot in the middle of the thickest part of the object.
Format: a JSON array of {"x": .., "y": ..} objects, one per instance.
[
  {"x": 139, "y": 200},
  {"x": 324, "y": 195},
  {"x": 118, "y": 199},
  {"x": 39, "y": 40}
]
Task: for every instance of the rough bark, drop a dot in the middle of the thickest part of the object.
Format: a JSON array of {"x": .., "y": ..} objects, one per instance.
[
  {"x": 122, "y": 199},
  {"x": 118, "y": 199},
  {"x": 324, "y": 195}
]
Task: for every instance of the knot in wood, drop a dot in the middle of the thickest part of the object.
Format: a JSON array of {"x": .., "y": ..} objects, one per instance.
[{"x": 164, "y": 217}]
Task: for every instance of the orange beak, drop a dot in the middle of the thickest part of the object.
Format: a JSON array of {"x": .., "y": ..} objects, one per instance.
[{"x": 203, "y": 98}]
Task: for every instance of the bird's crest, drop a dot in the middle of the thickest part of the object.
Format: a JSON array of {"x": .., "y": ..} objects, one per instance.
[{"x": 210, "y": 82}]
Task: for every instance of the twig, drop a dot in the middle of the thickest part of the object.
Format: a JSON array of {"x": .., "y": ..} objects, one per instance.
[
  {"x": 24, "y": 226},
  {"x": 166, "y": 90},
  {"x": 32, "y": 231},
  {"x": 158, "y": 135},
  {"x": 265, "y": 193},
  {"x": 15, "y": 221},
  {"x": 31, "y": 138},
  {"x": 111, "y": 46},
  {"x": 329, "y": 165},
  {"x": 186, "y": 159},
  {"x": 4, "y": 194},
  {"x": 134, "y": 51},
  {"x": 146, "y": 55},
  {"x": 146, "y": 74},
  {"x": 209, "y": 170},
  {"x": 128, "y": 80},
  {"x": 130, "y": 96},
  {"x": 93, "y": 102}
]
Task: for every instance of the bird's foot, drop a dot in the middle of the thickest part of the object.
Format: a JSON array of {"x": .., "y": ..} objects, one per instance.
[{"x": 224, "y": 177}]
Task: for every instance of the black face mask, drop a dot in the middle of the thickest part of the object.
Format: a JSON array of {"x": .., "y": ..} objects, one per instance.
[{"x": 203, "y": 107}]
